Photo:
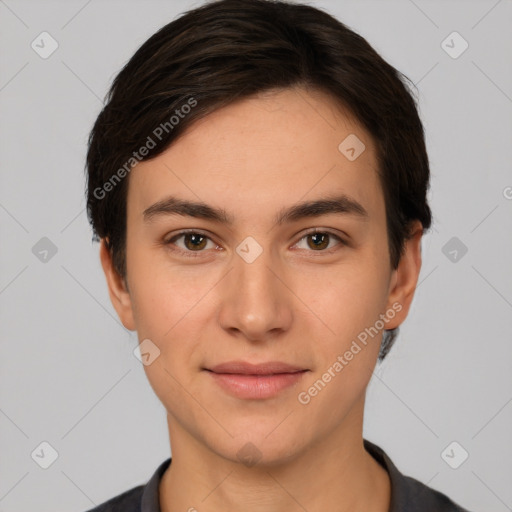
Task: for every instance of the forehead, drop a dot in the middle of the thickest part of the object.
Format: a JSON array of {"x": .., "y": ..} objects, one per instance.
[{"x": 258, "y": 153}]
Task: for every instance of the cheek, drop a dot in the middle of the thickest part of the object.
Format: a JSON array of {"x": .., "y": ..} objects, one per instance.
[
  {"x": 168, "y": 315},
  {"x": 349, "y": 306},
  {"x": 163, "y": 296},
  {"x": 345, "y": 299},
  {"x": 166, "y": 312}
]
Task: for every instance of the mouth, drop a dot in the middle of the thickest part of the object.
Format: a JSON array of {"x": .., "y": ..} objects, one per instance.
[{"x": 255, "y": 382}]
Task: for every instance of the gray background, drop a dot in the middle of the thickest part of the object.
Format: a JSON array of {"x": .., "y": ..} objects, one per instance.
[{"x": 68, "y": 374}]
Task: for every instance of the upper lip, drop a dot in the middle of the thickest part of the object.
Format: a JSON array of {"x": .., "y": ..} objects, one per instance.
[{"x": 245, "y": 368}]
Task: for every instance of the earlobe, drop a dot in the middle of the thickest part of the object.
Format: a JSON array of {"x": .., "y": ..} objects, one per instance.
[
  {"x": 117, "y": 289},
  {"x": 405, "y": 277}
]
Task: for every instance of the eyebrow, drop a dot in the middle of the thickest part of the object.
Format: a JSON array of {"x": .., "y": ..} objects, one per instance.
[{"x": 339, "y": 204}]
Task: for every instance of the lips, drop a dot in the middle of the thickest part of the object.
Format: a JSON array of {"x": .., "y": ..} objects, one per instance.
[
  {"x": 255, "y": 381},
  {"x": 244, "y": 368}
]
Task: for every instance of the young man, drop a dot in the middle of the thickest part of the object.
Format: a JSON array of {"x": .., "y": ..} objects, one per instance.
[{"x": 258, "y": 181}]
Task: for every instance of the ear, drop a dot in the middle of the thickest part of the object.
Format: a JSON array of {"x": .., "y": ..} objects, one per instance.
[
  {"x": 404, "y": 278},
  {"x": 117, "y": 288}
]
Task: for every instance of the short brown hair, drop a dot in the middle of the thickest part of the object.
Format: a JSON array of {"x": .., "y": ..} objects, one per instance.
[{"x": 227, "y": 50}]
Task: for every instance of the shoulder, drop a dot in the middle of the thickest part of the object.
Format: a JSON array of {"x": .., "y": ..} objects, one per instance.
[
  {"x": 128, "y": 501},
  {"x": 142, "y": 497},
  {"x": 415, "y": 496},
  {"x": 409, "y": 494}
]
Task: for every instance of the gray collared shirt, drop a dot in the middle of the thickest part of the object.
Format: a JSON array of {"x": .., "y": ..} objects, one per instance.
[{"x": 407, "y": 494}]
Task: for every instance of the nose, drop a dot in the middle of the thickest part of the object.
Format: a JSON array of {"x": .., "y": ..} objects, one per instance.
[{"x": 256, "y": 301}]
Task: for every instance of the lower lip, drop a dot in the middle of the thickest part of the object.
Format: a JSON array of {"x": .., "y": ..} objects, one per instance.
[{"x": 256, "y": 387}]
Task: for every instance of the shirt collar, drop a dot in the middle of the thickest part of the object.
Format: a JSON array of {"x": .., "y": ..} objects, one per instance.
[
  {"x": 149, "y": 501},
  {"x": 397, "y": 480}
]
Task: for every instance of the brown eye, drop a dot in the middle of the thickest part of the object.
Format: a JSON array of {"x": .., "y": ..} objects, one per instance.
[
  {"x": 188, "y": 242},
  {"x": 194, "y": 241},
  {"x": 320, "y": 241}
]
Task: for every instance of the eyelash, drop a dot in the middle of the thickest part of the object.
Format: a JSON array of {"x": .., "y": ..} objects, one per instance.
[{"x": 195, "y": 254}]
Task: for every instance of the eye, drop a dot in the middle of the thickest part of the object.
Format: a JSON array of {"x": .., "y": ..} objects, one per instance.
[
  {"x": 191, "y": 242},
  {"x": 319, "y": 241}
]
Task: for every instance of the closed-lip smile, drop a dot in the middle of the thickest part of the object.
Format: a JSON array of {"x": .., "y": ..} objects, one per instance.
[{"x": 255, "y": 381}]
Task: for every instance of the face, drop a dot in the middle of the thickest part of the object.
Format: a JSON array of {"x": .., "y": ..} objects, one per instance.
[{"x": 256, "y": 279}]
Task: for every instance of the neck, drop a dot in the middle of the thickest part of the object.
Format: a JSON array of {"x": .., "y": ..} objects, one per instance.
[{"x": 336, "y": 473}]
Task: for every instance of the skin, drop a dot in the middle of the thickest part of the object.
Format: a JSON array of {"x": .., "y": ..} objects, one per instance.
[{"x": 295, "y": 303}]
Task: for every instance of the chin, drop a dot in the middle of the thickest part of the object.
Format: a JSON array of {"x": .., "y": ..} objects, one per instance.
[{"x": 258, "y": 448}]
